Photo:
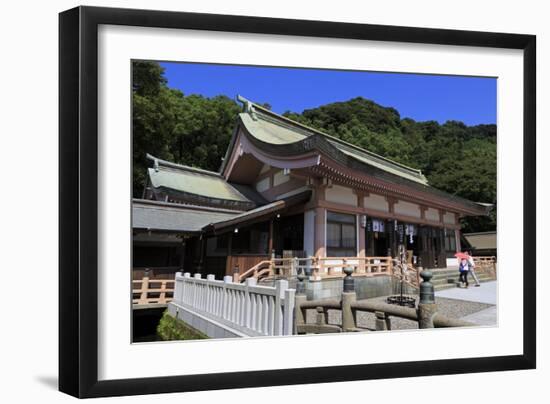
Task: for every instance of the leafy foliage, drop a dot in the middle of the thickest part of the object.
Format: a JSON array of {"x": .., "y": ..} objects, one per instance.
[
  {"x": 171, "y": 329},
  {"x": 195, "y": 130},
  {"x": 456, "y": 158},
  {"x": 191, "y": 130}
]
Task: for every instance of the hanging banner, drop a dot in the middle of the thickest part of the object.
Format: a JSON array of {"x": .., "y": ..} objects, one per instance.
[{"x": 378, "y": 225}]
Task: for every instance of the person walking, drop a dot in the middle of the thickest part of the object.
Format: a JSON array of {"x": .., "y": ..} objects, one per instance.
[
  {"x": 463, "y": 269},
  {"x": 471, "y": 267}
]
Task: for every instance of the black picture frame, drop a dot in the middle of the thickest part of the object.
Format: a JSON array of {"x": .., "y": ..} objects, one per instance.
[{"x": 78, "y": 200}]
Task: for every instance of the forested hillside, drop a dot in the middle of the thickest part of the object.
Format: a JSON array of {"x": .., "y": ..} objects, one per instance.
[{"x": 196, "y": 130}]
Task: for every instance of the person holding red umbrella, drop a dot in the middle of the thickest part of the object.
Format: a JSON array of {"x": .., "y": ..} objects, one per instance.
[{"x": 463, "y": 267}]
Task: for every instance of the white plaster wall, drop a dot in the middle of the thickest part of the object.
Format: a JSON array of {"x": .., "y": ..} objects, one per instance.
[
  {"x": 293, "y": 192},
  {"x": 432, "y": 214},
  {"x": 340, "y": 194},
  {"x": 280, "y": 178},
  {"x": 407, "y": 209},
  {"x": 377, "y": 202},
  {"x": 449, "y": 217},
  {"x": 262, "y": 185},
  {"x": 309, "y": 232}
]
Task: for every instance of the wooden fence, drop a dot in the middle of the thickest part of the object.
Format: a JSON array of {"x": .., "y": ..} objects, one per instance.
[
  {"x": 147, "y": 291},
  {"x": 327, "y": 268},
  {"x": 487, "y": 265}
]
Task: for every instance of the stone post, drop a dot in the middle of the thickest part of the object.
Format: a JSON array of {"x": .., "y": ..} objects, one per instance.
[
  {"x": 419, "y": 269},
  {"x": 289, "y": 322},
  {"x": 348, "y": 297},
  {"x": 382, "y": 322},
  {"x": 299, "y": 318},
  {"x": 300, "y": 285},
  {"x": 349, "y": 283},
  {"x": 178, "y": 287},
  {"x": 248, "y": 320},
  {"x": 299, "y": 299},
  {"x": 308, "y": 271},
  {"x": 426, "y": 307}
]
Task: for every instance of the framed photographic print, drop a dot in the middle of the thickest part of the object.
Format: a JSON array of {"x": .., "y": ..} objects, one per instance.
[{"x": 296, "y": 201}]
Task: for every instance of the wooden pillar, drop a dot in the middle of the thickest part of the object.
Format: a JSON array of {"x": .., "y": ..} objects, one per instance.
[
  {"x": 319, "y": 240},
  {"x": 182, "y": 253},
  {"x": 457, "y": 240},
  {"x": 369, "y": 241},
  {"x": 270, "y": 242},
  {"x": 392, "y": 236},
  {"x": 202, "y": 252},
  {"x": 229, "y": 243},
  {"x": 423, "y": 252},
  {"x": 441, "y": 251},
  {"x": 361, "y": 244},
  {"x": 431, "y": 244},
  {"x": 320, "y": 231}
]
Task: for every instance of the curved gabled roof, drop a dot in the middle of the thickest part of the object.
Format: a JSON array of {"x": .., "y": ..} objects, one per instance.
[
  {"x": 287, "y": 136},
  {"x": 278, "y": 135}
]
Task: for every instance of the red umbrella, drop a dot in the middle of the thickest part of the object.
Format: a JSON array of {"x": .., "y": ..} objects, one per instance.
[{"x": 462, "y": 255}]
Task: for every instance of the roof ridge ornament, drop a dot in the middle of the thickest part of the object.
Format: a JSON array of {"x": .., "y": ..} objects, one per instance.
[{"x": 248, "y": 106}]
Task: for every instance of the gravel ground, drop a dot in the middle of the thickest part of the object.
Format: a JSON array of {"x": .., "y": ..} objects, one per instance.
[{"x": 452, "y": 308}]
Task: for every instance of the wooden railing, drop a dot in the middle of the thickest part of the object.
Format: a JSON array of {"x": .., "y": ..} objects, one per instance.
[
  {"x": 275, "y": 268},
  {"x": 331, "y": 267},
  {"x": 486, "y": 264},
  {"x": 154, "y": 272},
  {"x": 320, "y": 268},
  {"x": 259, "y": 271},
  {"x": 147, "y": 291},
  {"x": 244, "y": 261}
]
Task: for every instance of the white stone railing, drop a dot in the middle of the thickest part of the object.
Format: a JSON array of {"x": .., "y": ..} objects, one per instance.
[{"x": 246, "y": 307}]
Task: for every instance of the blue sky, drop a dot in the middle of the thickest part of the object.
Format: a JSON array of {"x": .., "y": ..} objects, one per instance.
[{"x": 471, "y": 100}]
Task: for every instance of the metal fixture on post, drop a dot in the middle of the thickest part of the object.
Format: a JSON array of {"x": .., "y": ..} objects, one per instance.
[
  {"x": 401, "y": 265},
  {"x": 349, "y": 283}
]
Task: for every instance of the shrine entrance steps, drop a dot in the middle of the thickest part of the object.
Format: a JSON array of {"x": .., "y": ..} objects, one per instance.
[{"x": 446, "y": 278}]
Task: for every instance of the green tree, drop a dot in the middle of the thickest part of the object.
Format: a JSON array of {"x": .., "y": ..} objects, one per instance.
[
  {"x": 191, "y": 130},
  {"x": 196, "y": 130},
  {"x": 456, "y": 158}
]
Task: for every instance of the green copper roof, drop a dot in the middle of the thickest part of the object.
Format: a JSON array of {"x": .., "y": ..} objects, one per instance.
[
  {"x": 193, "y": 181},
  {"x": 374, "y": 160},
  {"x": 271, "y": 132},
  {"x": 153, "y": 215},
  {"x": 271, "y": 128}
]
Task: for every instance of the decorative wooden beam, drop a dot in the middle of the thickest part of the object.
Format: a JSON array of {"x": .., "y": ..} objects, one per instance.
[
  {"x": 441, "y": 214},
  {"x": 423, "y": 210},
  {"x": 391, "y": 203}
]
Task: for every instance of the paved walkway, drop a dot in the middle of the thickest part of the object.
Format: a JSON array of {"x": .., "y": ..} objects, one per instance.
[
  {"x": 486, "y": 293},
  {"x": 483, "y": 317}
]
